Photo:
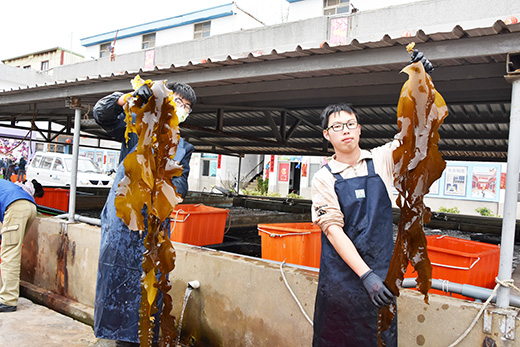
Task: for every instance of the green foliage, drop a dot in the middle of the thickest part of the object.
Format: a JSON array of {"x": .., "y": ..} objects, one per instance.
[
  {"x": 262, "y": 185},
  {"x": 484, "y": 211},
  {"x": 294, "y": 196},
  {"x": 257, "y": 193},
  {"x": 449, "y": 210}
]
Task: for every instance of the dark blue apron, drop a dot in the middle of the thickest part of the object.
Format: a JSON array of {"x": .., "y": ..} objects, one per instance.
[{"x": 344, "y": 314}]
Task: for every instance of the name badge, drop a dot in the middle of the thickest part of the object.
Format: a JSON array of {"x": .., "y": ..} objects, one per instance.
[{"x": 360, "y": 193}]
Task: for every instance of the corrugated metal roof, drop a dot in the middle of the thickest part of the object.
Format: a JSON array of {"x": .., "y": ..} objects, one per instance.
[{"x": 473, "y": 84}]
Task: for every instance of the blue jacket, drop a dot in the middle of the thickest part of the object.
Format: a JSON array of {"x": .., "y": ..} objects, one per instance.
[
  {"x": 9, "y": 193},
  {"x": 118, "y": 288}
]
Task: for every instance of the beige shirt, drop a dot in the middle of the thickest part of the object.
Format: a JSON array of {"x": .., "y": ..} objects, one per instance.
[{"x": 326, "y": 210}]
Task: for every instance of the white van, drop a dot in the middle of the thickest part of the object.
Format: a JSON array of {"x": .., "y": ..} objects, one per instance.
[{"x": 53, "y": 169}]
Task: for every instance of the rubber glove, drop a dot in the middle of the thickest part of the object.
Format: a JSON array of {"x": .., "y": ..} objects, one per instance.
[
  {"x": 419, "y": 56},
  {"x": 144, "y": 93},
  {"x": 379, "y": 294}
]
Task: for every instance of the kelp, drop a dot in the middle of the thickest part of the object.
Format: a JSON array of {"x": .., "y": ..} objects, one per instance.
[
  {"x": 418, "y": 163},
  {"x": 146, "y": 197}
]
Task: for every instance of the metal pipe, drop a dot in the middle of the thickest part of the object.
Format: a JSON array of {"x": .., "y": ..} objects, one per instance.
[
  {"x": 511, "y": 197},
  {"x": 462, "y": 289},
  {"x": 238, "y": 177},
  {"x": 88, "y": 220},
  {"x": 74, "y": 169}
]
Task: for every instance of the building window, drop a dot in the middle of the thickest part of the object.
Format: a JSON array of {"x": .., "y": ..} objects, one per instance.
[
  {"x": 202, "y": 30},
  {"x": 45, "y": 65},
  {"x": 148, "y": 41},
  {"x": 104, "y": 50},
  {"x": 332, "y": 7}
]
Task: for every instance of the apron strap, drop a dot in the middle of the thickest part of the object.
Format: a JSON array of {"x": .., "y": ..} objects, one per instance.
[
  {"x": 370, "y": 168},
  {"x": 337, "y": 176}
]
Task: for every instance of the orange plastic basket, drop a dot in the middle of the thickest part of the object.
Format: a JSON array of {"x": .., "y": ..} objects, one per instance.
[
  {"x": 296, "y": 243},
  {"x": 57, "y": 198},
  {"x": 461, "y": 261},
  {"x": 198, "y": 224}
]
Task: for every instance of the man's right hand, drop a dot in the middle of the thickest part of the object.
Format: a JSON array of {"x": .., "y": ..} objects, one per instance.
[
  {"x": 379, "y": 294},
  {"x": 144, "y": 93}
]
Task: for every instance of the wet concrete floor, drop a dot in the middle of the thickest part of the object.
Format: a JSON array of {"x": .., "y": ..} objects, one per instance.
[{"x": 36, "y": 325}]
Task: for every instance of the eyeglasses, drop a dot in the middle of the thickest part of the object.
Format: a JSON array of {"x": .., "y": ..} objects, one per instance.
[
  {"x": 180, "y": 103},
  {"x": 339, "y": 127}
]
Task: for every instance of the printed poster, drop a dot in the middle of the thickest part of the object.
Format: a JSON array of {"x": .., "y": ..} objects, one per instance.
[
  {"x": 484, "y": 182},
  {"x": 455, "y": 182},
  {"x": 149, "y": 59},
  {"x": 283, "y": 173},
  {"x": 338, "y": 31}
]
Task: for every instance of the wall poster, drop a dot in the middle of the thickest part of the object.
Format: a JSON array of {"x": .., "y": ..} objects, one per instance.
[
  {"x": 484, "y": 182},
  {"x": 455, "y": 182},
  {"x": 283, "y": 173}
]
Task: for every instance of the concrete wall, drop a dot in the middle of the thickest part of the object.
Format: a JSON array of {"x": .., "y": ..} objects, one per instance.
[{"x": 243, "y": 301}]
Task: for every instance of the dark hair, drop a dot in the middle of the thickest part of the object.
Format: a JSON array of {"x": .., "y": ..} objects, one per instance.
[
  {"x": 335, "y": 109},
  {"x": 38, "y": 189},
  {"x": 184, "y": 90}
]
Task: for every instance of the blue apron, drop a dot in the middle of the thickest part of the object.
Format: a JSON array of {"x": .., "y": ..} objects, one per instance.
[{"x": 344, "y": 314}]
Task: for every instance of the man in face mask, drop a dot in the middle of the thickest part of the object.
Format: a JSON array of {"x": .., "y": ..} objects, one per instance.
[{"x": 118, "y": 288}]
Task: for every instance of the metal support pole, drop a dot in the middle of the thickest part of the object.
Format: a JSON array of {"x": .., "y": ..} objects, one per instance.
[
  {"x": 238, "y": 177},
  {"x": 511, "y": 197},
  {"x": 74, "y": 170}
]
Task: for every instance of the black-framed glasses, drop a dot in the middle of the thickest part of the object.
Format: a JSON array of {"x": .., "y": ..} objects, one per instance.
[
  {"x": 339, "y": 127},
  {"x": 180, "y": 103}
]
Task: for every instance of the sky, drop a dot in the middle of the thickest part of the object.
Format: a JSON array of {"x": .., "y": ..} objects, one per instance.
[{"x": 31, "y": 26}]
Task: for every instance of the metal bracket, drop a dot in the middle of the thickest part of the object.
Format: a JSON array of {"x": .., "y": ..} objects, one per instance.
[
  {"x": 506, "y": 321},
  {"x": 73, "y": 102},
  {"x": 507, "y": 326},
  {"x": 488, "y": 322}
]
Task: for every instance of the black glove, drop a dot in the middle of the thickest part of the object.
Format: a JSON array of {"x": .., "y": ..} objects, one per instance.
[
  {"x": 144, "y": 93},
  {"x": 419, "y": 56},
  {"x": 379, "y": 294}
]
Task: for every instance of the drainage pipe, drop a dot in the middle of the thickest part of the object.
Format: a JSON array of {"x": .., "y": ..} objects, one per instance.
[
  {"x": 74, "y": 169},
  {"x": 462, "y": 289},
  {"x": 511, "y": 197},
  {"x": 88, "y": 220}
]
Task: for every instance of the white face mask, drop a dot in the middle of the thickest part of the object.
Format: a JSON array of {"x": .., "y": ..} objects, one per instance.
[{"x": 181, "y": 114}]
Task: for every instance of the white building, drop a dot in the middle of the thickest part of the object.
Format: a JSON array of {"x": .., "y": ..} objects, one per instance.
[
  {"x": 221, "y": 19},
  {"x": 44, "y": 60}
]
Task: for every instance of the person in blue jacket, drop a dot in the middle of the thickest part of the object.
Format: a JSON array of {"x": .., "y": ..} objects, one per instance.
[
  {"x": 17, "y": 212},
  {"x": 118, "y": 288}
]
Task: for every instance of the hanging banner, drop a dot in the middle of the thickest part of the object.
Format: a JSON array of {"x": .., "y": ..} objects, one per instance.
[
  {"x": 283, "y": 172},
  {"x": 272, "y": 163},
  {"x": 149, "y": 59},
  {"x": 219, "y": 161},
  {"x": 338, "y": 31}
]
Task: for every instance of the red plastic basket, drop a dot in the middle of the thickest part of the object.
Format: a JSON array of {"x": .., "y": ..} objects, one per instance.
[
  {"x": 296, "y": 243},
  {"x": 198, "y": 224},
  {"x": 57, "y": 198},
  {"x": 461, "y": 261}
]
